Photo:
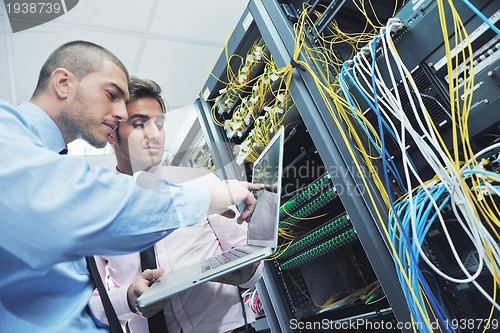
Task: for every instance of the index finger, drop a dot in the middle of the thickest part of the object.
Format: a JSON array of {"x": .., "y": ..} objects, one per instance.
[{"x": 255, "y": 187}]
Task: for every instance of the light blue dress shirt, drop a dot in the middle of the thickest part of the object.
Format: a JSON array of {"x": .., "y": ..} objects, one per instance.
[{"x": 55, "y": 210}]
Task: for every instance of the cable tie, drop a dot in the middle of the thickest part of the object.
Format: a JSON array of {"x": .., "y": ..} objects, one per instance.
[{"x": 296, "y": 65}]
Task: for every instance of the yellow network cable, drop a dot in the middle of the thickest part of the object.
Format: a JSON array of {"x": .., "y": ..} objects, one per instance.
[
  {"x": 227, "y": 60},
  {"x": 323, "y": 92},
  {"x": 338, "y": 101},
  {"x": 371, "y": 197},
  {"x": 362, "y": 9},
  {"x": 426, "y": 299},
  {"x": 338, "y": 108},
  {"x": 282, "y": 248},
  {"x": 270, "y": 87},
  {"x": 240, "y": 81},
  {"x": 489, "y": 213},
  {"x": 277, "y": 97},
  {"x": 485, "y": 209}
]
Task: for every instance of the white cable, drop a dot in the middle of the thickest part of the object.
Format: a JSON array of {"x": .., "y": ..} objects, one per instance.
[
  {"x": 404, "y": 123},
  {"x": 439, "y": 161},
  {"x": 467, "y": 211}
]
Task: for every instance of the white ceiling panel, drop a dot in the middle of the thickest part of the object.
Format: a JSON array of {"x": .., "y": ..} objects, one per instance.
[
  {"x": 180, "y": 68},
  {"x": 129, "y": 15},
  {"x": 198, "y": 20},
  {"x": 170, "y": 41}
]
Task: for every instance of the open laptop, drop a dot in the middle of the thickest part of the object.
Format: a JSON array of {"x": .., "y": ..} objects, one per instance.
[{"x": 262, "y": 234}]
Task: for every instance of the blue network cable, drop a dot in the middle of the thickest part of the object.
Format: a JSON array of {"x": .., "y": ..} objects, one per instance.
[
  {"x": 405, "y": 221},
  {"x": 384, "y": 154},
  {"x": 482, "y": 172},
  {"x": 481, "y": 16},
  {"x": 414, "y": 278},
  {"x": 423, "y": 223}
]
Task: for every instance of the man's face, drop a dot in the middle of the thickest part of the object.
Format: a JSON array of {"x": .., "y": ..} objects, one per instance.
[
  {"x": 141, "y": 139},
  {"x": 97, "y": 105}
]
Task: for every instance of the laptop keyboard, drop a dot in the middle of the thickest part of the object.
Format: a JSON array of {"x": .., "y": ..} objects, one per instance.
[{"x": 223, "y": 258}]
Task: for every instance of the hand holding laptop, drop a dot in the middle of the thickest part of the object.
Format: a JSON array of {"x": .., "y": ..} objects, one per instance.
[
  {"x": 262, "y": 236},
  {"x": 147, "y": 277},
  {"x": 140, "y": 285}
]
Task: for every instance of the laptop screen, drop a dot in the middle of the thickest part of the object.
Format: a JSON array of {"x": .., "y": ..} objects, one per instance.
[{"x": 267, "y": 169}]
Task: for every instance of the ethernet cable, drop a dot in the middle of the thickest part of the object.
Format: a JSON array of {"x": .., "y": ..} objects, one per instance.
[
  {"x": 481, "y": 15},
  {"x": 420, "y": 124}
]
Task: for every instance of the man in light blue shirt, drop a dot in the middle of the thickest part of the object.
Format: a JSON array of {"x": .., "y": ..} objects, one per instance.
[{"x": 55, "y": 210}]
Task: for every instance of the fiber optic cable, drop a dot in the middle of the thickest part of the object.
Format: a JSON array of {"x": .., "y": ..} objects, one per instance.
[
  {"x": 381, "y": 133},
  {"x": 481, "y": 15}
]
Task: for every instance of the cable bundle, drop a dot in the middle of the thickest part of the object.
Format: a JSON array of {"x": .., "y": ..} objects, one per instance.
[
  {"x": 410, "y": 221},
  {"x": 463, "y": 185},
  {"x": 252, "y": 299},
  {"x": 411, "y": 218},
  {"x": 254, "y": 101}
]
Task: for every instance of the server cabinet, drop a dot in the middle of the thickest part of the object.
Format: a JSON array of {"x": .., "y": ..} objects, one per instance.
[{"x": 338, "y": 266}]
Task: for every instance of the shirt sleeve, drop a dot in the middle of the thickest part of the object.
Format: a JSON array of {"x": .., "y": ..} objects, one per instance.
[
  {"x": 117, "y": 296},
  {"x": 117, "y": 274},
  {"x": 66, "y": 210}
]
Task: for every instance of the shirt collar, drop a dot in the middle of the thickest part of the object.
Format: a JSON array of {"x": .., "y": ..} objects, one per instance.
[{"x": 45, "y": 126}]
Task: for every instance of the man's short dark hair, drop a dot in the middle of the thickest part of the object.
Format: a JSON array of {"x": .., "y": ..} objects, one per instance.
[
  {"x": 80, "y": 58},
  {"x": 139, "y": 88}
]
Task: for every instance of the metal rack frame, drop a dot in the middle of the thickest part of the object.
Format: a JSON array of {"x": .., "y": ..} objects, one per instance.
[{"x": 270, "y": 22}]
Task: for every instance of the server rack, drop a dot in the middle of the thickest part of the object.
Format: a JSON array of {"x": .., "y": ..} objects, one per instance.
[
  {"x": 276, "y": 306},
  {"x": 322, "y": 141}
]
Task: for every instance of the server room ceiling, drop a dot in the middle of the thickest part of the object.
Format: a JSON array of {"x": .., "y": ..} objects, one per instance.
[{"x": 175, "y": 43}]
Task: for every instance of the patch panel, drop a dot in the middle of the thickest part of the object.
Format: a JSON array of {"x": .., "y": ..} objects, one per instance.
[
  {"x": 313, "y": 206},
  {"x": 327, "y": 230},
  {"x": 292, "y": 205},
  {"x": 258, "y": 132},
  {"x": 251, "y": 105},
  {"x": 295, "y": 286},
  {"x": 320, "y": 250},
  {"x": 239, "y": 84}
]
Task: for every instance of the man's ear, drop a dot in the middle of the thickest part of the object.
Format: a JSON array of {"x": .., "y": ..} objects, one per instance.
[{"x": 62, "y": 82}]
